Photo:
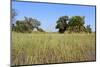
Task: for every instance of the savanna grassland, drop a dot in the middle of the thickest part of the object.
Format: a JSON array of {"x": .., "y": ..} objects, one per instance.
[{"x": 41, "y": 48}]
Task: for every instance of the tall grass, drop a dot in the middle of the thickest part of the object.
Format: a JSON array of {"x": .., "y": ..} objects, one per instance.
[{"x": 41, "y": 48}]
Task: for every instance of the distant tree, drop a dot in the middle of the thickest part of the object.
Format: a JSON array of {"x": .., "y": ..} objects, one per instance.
[
  {"x": 13, "y": 15},
  {"x": 88, "y": 29},
  {"x": 76, "y": 23},
  {"x": 62, "y": 24},
  {"x": 33, "y": 22},
  {"x": 27, "y": 25},
  {"x": 22, "y": 26}
]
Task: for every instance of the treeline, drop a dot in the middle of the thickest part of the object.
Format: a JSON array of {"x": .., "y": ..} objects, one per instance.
[
  {"x": 73, "y": 24},
  {"x": 26, "y": 25}
]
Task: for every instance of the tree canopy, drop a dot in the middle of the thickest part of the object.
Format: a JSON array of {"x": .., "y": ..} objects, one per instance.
[
  {"x": 62, "y": 24},
  {"x": 27, "y": 25},
  {"x": 76, "y": 23},
  {"x": 88, "y": 29},
  {"x": 72, "y": 24}
]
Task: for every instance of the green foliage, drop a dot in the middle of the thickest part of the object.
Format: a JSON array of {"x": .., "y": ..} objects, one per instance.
[
  {"x": 26, "y": 25},
  {"x": 76, "y": 23},
  {"x": 22, "y": 26},
  {"x": 62, "y": 24},
  {"x": 88, "y": 29},
  {"x": 72, "y": 24},
  {"x": 34, "y": 22}
]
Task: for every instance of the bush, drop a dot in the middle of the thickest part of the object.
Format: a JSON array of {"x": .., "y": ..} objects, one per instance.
[
  {"x": 26, "y": 25},
  {"x": 22, "y": 26}
]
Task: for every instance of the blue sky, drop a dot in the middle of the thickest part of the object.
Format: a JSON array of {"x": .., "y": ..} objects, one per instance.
[{"x": 49, "y": 13}]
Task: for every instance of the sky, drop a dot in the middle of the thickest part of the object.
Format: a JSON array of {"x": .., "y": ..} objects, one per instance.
[{"x": 48, "y": 14}]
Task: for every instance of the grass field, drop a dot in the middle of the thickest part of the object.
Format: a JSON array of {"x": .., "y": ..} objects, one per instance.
[{"x": 41, "y": 48}]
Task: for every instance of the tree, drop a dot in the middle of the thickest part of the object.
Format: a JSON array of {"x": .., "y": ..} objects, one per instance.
[
  {"x": 22, "y": 26},
  {"x": 76, "y": 23},
  {"x": 27, "y": 25},
  {"x": 62, "y": 24},
  {"x": 33, "y": 22},
  {"x": 13, "y": 14},
  {"x": 88, "y": 29}
]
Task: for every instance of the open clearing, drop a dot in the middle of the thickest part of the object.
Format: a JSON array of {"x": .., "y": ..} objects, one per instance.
[{"x": 42, "y": 48}]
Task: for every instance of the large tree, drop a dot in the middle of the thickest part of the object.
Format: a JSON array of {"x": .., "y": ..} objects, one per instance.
[
  {"x": 62, "y": 24},
  {"x": 76, "y": 23},
  {"x": 34, "y": 22},
  {"x": 27, "y": 25}
]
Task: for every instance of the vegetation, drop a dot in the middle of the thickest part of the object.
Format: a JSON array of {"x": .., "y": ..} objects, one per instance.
[
  {"x": 88, "y": 29},
  {"x": 73, "y": 24},
  {"x": 76, "y": 24},
  {"x": 27, "y": 25},
  {"x": 14, "y": 14},
  {"x": 64, "y": 23},
  {"x": 41, "y": 48},
  {"x": 32, "y": 47}
]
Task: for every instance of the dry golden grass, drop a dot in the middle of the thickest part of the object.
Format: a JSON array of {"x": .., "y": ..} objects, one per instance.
[{"x": 42, "y": 48}]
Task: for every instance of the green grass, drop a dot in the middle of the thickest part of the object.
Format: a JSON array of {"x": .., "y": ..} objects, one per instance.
[{"x": 41, "y": 48}]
